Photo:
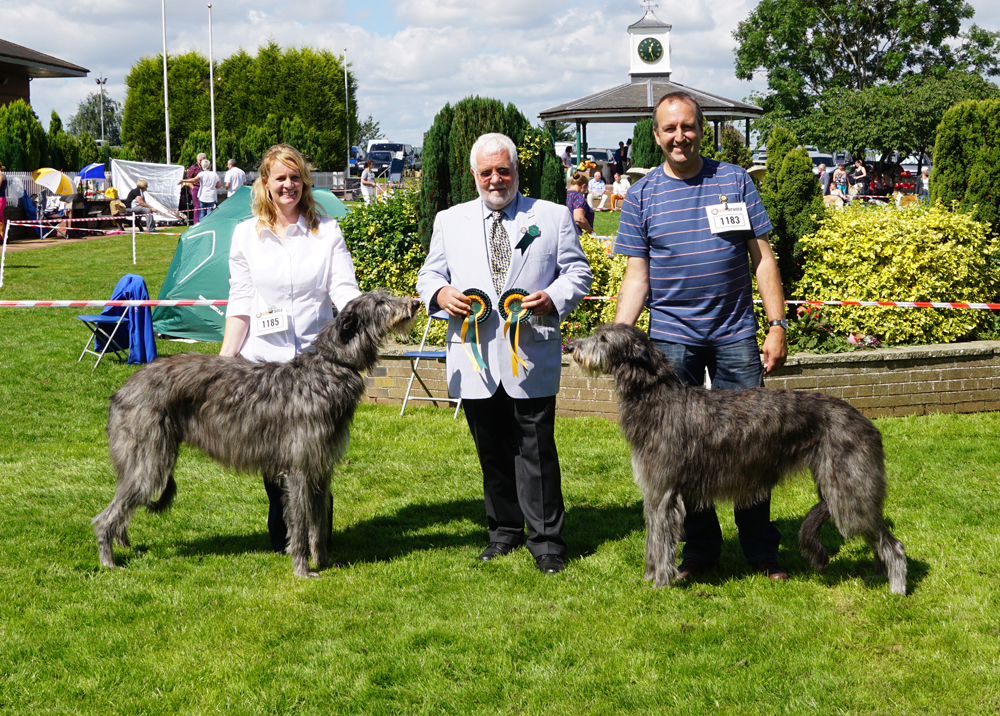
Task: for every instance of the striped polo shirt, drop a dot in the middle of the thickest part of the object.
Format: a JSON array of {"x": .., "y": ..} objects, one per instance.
[{"x": 700, "y": 282}]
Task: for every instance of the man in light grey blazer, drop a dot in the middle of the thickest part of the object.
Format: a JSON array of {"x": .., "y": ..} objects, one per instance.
[{"x": 499, "y": 242}]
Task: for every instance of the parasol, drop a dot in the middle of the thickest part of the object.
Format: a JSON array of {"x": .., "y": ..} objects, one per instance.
[{"x": 53, "y": 180}]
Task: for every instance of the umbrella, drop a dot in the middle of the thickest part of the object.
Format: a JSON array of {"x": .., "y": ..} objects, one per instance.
[
  {"x": 53, "y": 180},
  {"x": 92, "y": 171}
]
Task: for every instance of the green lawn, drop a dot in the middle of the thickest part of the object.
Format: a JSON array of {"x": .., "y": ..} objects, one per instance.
[{"x": 204, "y": 619}]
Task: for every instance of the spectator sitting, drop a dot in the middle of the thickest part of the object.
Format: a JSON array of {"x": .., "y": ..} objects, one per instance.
[
  {"x": 596, "y": 188},
  {"x": 618, "y": 190},
  {"x": 583, "y": 213},
  {"x": 135, "y": 203}
]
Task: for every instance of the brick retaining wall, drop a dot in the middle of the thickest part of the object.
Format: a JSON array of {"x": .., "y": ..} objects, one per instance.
[{"x": 954, "y": 378}]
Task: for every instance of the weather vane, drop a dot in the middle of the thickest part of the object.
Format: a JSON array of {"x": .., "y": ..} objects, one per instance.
[{"x": 649, "y": 4}]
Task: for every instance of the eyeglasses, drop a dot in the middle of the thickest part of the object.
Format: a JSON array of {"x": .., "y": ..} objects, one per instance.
[{"x": 487, "y": 174}]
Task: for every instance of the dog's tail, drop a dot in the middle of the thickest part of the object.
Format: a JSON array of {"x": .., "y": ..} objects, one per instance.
[
  {"x": 809, "y": 545},
  {"x": 166, "y": 497}
]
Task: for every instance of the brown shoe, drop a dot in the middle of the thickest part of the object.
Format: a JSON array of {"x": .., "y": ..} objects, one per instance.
[
  {"x": 694, "y": 567},
  {"x": 771, "y": 568}
]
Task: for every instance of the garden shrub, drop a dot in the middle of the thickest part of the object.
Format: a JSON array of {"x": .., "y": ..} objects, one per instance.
[
  {"x": 609, "y": 271},
  {"x": 967, "y": 160},
  {"x": 23, "y": 144},
  {"x": 924, "y": 253},
  {"x": 646, "y": 153}
]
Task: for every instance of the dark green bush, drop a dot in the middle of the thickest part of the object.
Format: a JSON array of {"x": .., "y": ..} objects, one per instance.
[
  {"x": 23, "y": 145},
  {"x": 646, "y": 153}
]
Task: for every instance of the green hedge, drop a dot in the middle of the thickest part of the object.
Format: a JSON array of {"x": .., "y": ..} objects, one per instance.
[{"x": 917, "y": 254}]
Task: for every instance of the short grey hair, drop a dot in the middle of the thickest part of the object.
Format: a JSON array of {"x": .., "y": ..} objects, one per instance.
[
  {"x": 201, "y": 155},
  {"x": 494, "y": 143},
  {"x": 206, "y": 165},
  {"x": 231, "y": 162}
]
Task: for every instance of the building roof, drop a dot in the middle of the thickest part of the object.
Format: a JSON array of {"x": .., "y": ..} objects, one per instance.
[
  {"x": 649, "y": 20},
  {"x": 37, "y": 64},
  {"x": 631, "y": 102}
]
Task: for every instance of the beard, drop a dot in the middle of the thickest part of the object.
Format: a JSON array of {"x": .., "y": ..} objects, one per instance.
[{"x": 495, "y": 200}]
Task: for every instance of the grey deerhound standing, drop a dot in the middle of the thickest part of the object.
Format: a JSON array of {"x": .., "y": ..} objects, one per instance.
[
  {"x": 287, "y": 420},
  {"x": 692, "y": 446}
]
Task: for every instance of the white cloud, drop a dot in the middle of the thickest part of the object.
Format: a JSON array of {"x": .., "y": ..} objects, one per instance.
[{"x": 410, "y": 57}]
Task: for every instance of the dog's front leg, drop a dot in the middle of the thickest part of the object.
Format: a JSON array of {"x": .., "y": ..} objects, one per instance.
[
  {"x": 297, "y": 517},
  {"x": 671, "y": 516},
  {"x": 319, "y": 522}
]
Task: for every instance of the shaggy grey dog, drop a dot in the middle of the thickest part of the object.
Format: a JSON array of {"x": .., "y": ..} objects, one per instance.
[
  {"x": 692, "y": 446},
  {"x": 287, "y": 421}
]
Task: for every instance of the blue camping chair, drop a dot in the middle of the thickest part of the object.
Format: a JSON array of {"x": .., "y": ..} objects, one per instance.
[
  {"x": 415, "y": 358},
  {"x": 33, "y": 211},
  {"x": 119, "y": 329},
  {"x": 396, "y": 172}
]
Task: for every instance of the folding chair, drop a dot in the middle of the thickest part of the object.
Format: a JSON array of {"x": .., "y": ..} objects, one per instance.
[
  {"x": 108, "y": 332},
  {"x": 396, "y": 172},
  {"x": 34, "y": 210},
  {"x": 415, "y": 358},
  {"x": 121, "y": 330}
]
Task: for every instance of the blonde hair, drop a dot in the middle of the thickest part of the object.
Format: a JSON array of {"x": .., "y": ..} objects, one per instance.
[
  {"x": 142, "y": 184},
  {"x": 260, "y": 199}
]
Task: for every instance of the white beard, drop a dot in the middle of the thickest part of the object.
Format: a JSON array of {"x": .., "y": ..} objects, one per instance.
[{"x": 495, "y": 204}]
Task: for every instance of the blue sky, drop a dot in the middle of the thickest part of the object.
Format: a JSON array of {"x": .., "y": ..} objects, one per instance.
[{"x": 410, "y": 57}]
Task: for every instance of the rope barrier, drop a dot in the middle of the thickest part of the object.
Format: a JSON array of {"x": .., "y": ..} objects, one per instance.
[
  {"x": 101, "y": 304},
  {"x": 882, "y": 304}
]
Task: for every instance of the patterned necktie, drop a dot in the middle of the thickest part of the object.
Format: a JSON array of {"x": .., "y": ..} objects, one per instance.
[{"x": 499, "y": 252}]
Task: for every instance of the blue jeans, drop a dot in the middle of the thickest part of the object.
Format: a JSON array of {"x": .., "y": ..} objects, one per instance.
[
  {"x": 730, "y": 367},
  {"x": 206, "y": 209}
]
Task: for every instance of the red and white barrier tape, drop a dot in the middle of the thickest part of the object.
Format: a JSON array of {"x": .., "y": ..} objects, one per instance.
[
  {"x": 102, "y": 304},
  {"x": 883, "y": 304}
]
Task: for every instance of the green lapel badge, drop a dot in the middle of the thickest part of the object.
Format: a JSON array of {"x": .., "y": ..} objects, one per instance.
[{"x": 527, "y": 236}]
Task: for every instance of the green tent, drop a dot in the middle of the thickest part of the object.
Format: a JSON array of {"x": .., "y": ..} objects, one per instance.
[{"x": 200, "y": 268}]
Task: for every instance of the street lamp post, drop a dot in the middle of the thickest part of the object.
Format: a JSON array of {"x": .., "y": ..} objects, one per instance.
[
  {"x": 101, "y": 81},
  {"x": 211, "y": 82},
  {"x": 347, "y": 114},
  {"x": 166, "y": 103}
]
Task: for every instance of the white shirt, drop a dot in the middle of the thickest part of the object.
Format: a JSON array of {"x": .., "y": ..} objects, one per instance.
[
  {"x": 206, "y": 189},
  {"x": 307, "y": 275},
  {"x": 235, "y": 178},
  {"x": 620, "y": 187}
]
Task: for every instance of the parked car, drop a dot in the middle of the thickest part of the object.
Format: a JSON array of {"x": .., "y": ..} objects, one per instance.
[
  {"x": 393, "y": 148},
  {"x": 381, "y": 159}
]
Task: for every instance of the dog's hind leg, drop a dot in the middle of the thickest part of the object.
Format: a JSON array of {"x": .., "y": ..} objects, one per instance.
[
  {"x": 810, "y": 546},
  {"x": 891, "y": 558},
  {"x": 298, "y": 517}
]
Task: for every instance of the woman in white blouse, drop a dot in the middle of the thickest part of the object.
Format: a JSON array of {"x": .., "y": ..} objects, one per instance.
[{"x": 288, "y": 268}]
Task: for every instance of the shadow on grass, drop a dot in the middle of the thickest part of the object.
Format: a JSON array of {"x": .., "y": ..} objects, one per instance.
[{"x": 421, "y": 527}]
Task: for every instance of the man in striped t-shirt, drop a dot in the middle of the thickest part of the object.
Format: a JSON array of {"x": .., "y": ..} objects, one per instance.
[{"x": 697, "y": 285}]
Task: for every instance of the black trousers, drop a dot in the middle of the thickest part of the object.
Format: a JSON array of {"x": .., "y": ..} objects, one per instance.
[
  {"x": 276, "y": 527},
  {"x": 515, "y": 440}
]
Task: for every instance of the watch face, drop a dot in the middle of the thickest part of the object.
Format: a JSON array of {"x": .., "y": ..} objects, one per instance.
[{"x": 650, "y": 50}]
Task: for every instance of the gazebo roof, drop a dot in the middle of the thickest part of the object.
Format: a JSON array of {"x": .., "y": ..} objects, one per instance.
[
  {"x": 634, "y": 101},
  {"x": 37, "y": 64}
]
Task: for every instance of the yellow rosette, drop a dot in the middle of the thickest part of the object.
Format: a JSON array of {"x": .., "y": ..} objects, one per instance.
[{"x": 514, "y": 314}]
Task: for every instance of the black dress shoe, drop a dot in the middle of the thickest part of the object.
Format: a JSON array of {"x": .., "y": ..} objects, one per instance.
[
  {"x": 694, "y": 567},
  {"x": 550, "y": 563},
  {"x": 497, "y": 549}
]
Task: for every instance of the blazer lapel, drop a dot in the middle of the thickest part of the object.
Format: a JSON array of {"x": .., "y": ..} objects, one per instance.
[{"x": 518, "y": 256}]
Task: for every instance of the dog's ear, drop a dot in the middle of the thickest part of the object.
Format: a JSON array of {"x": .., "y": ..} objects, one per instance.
[{"x": 348, "y": 327}]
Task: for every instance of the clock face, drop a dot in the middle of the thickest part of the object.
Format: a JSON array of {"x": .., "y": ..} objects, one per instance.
[{"x": 650, "y": 50}]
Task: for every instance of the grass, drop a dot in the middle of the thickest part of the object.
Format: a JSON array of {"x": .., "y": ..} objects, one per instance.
[{"x": 204, "y": 619}]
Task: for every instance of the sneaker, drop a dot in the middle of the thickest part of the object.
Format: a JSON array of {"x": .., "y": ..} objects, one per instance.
[{"x": 771, "y": 568}]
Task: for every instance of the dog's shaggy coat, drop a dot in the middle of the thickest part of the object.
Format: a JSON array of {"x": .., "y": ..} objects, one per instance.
[
  {"x": 691, "y": 447},
  {"x": 287, "y": 421}
]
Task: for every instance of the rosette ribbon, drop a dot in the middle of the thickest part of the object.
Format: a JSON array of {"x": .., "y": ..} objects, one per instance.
[
  {"x": 514, "y": 314},
  {"x": 479, "y": 311}
]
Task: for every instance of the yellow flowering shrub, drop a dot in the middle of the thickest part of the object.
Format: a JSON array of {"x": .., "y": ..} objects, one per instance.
[{"x": 921, "y": 253}]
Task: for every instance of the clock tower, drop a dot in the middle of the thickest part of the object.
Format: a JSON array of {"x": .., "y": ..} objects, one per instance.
[{"x": 649, "y": 48}]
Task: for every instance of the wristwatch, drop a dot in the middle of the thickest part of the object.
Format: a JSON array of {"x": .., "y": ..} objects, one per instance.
[{"x": 780, "y": 322}]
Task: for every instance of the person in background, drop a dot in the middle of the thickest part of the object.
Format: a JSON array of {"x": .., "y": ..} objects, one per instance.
[
  {"x": 824, "y": 179},
  {"x": 861, "y": 176},
  {"x": 619, "y": 158},
  {"x": 567, "y": 162},
  {"x": 595, "y": 189},
  {"x": 287, "y": 259},
  {"x": 135, "y": 203},
  {"x": 193, "y": 171},
  {"x": 628, "y": 154},
  {"x": 576, "y": 202},
  {"x": 208, "y": 186},
  {"x": 368, "y": 186},
  {"x": 924, "y": 185},
  {"x": 618, "y": 190},
  {"x": 235, "y": 177},
  {"x": 3, "y": 198},
  {"x": 840, "y": 178}
]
